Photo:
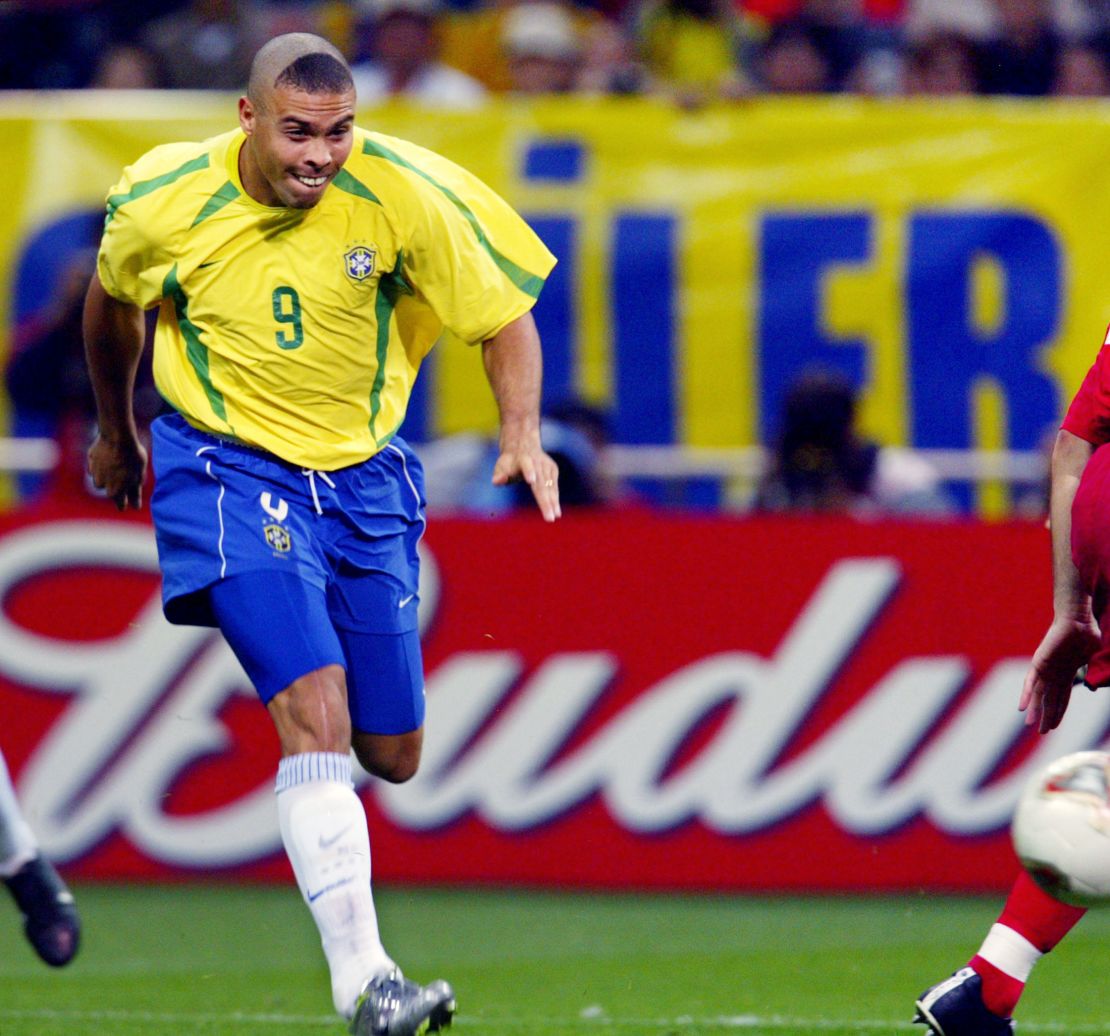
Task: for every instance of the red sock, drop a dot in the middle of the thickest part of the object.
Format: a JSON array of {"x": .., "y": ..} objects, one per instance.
[
  {"x": 1034, "y": 914},
  {"x": 1001, "y": 992},
  {"x": 1041, "y": 921}
]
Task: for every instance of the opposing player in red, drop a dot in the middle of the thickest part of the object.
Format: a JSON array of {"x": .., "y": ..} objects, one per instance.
[{"x": 979, "y": 999}]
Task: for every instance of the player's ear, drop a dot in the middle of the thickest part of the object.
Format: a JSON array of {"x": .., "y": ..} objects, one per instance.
[{"x": 246, "y": 115}]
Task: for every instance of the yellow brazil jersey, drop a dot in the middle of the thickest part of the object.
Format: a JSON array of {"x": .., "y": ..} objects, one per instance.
[{"x": 300, "y": 331}]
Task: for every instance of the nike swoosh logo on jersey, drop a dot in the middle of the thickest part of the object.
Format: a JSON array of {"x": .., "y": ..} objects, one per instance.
[{"x": 405, "y": 600}]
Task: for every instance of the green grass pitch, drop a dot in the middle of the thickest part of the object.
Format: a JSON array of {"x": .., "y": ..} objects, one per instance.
[{"x": 245, "y": 961}]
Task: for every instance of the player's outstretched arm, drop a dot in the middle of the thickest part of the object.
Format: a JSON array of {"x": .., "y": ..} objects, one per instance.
[
  {"x": 514, "y": 367},
  {"x": 1074, "y": 634},
  {"x": 114, "y": 333}
]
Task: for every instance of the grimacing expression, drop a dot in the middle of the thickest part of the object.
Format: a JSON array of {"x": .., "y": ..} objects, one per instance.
[{"x": 296, "y": 143}]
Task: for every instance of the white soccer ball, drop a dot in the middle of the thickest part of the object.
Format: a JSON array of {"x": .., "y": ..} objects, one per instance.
[{"x": 1061, "y": 828}]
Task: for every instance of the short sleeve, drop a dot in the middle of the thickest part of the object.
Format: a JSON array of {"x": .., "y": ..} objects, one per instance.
[
  {"x": 131, "y": 263},
  {"x": 1088, "y": 416},
  {"x": 475, "y": 262}
]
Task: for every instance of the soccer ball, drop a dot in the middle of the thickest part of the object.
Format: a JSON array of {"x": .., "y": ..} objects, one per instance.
[{"x": 1061, "y": 828}]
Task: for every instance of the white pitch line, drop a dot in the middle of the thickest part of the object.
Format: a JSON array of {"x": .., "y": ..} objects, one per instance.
[
  {"x": 171, "y": 1018},
  {"x": 726, "y": 1023}
]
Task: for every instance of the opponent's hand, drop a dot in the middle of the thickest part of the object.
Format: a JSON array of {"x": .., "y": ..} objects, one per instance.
[
  {"x": 1065, "y": 649},
  {"x": 118, "y": 468},
  {"x": 527, "y": 462}
]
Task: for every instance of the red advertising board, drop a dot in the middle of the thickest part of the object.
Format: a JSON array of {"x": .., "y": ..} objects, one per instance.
[{"x": 618, "y": 700}]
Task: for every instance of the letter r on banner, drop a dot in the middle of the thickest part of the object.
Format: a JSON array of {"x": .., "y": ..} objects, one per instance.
[{"x": 948, "y": 353}]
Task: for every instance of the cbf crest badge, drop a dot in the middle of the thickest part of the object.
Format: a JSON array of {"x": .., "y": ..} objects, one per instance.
[
  {"x": 360, "y": 262},
  {"x": 278, "y": 538}
]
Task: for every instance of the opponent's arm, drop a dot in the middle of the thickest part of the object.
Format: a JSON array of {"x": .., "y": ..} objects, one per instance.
[
  {"x": 114, "y": 334},
  {"x": 514, "y": 367},
  {"x": 1074, "y": 633}
]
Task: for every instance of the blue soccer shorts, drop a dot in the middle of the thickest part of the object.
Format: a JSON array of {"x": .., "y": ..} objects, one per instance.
[{"x": 299, "y": 569}]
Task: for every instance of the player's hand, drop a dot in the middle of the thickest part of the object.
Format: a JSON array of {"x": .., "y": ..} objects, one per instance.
[
  {"x": 527, "y": 462},
  {"x": 118, "y": 468},
  {"x": 1065, "y": 649}
]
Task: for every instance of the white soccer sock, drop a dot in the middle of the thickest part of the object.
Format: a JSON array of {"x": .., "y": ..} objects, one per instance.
[
  {"x": 1010, "y": 952},
  {"x": 17, "y": 843},
  {"x": 323, "y": 827}
]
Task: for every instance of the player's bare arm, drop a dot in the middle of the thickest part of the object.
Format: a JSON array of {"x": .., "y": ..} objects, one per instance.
[
  {"x": 1074, "y": 633},
  {"x": 515, "y": 370},
  {"x": 114, "y": 333}
]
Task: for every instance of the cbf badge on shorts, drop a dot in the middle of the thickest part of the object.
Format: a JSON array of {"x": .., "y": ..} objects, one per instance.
[{"x": 278, "y": 538}]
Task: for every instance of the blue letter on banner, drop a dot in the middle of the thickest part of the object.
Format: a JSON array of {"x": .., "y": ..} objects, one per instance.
[
  {"x": 796, "y": 249},
  {"x": 948, "y": 354}
]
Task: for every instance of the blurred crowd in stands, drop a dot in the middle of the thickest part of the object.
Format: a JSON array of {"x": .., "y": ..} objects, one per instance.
[{"x": 456, "y": 53}]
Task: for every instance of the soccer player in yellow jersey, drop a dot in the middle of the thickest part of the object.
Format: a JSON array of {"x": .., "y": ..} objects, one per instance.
[{"x": 303, "y": 268}]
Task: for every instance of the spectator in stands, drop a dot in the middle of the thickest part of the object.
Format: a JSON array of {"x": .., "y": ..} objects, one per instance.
[
  {"x": 973, "y": 19},
  {"x": 1081, "y": 71},
  {"x": 1022, "y": 56},
  {"x": 543, "y": 46},
  {"x": 791, "y": 61},
  {"x": 128, "y": 66},
  {"x": 839, "y": 30},
  {"x": 875, "y": 12},
  {"x": 576, "y": 434},
  {"x": 400, "y": 37},
  {"x": 609, "y": 62},
  {"x": 208, "y": 44},
  {"x": 821, "y": 463},
  {"x": 689, "y": 48},
  {"x": 941, "y": 64},
  {"x": 473, "y": 40}
]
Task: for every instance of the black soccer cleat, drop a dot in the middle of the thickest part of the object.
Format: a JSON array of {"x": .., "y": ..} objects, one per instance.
[
  {"x": 955, "y": 1007},
  {"x": 50, "y": 919},
  {"x": 391, "y": 1005}
]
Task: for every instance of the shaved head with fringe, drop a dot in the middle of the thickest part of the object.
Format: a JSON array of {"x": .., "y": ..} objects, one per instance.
[{"x": 300, "y": 60}]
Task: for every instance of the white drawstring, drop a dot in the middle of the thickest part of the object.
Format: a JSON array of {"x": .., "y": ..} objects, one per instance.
[{"x": 311, "y": 476}]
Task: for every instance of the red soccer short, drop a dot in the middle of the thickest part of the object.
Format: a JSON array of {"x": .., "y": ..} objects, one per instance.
[{"x": 1090, "y": 550}]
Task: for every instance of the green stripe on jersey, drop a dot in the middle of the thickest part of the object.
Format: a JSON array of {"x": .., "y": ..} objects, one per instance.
[
  {"x": 227, "y": 193},
  {"x": 346, "y": 182},
  {"x": 195, "y": 349},
  {"x": 527, "y": 282},
  {"x": 391, "y": 286},
  {"x": 144, "y": 187}
]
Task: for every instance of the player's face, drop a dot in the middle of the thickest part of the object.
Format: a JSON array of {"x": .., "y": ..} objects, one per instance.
[{"x": 296, "y": 143}]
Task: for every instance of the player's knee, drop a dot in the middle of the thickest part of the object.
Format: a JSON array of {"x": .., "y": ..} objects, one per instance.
[
  {"x": 311, "y": 713},
  {"x": 392, "y": 757}
]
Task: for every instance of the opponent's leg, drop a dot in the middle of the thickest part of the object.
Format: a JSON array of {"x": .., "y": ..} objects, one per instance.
[
  {"x": 979, "y": 999},
  {"x": 17, "y": 843},
  {"x": 1031, "y": 924},
  {"x": 50, "y": 918}
]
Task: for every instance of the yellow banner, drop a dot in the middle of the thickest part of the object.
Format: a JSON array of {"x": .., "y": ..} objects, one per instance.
[{"x": 947, "y": 257}]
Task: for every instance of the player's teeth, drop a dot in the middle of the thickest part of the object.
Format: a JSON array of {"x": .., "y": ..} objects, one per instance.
[{"x": 312, "y": 181}]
